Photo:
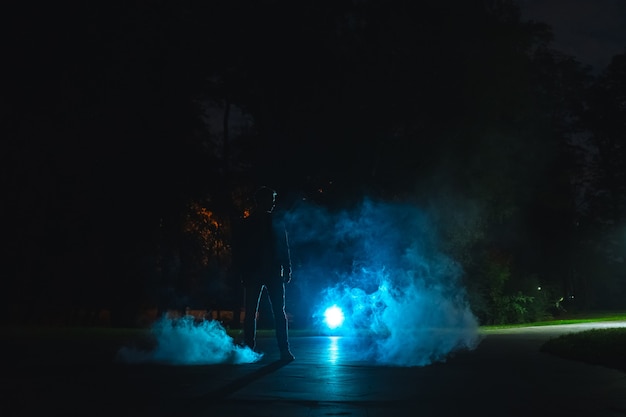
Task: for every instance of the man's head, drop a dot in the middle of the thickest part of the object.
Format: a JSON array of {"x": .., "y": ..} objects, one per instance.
[{"x": 265, "y": 199}]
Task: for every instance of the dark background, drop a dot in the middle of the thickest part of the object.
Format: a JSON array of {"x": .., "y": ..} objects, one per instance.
[{"x": 134, "y": 135}]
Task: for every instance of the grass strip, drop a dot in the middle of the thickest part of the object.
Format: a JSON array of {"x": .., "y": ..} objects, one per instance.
[{"x": 606, "y": 347}]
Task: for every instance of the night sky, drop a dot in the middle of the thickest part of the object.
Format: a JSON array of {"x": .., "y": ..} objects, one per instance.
[
  {"x": 126, "y": 123},
  {"x": 592, "y": 31}
]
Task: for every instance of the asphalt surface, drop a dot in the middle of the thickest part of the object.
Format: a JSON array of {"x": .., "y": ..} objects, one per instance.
[{"x": 505, "y": 375}]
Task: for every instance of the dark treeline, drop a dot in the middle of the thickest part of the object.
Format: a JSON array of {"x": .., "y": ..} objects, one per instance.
[{"x": 135, "y": 133}]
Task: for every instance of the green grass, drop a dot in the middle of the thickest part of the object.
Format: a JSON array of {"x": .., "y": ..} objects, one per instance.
[
  {"x": 566, "y": 319},
  {"x": 606, "y": 347}
]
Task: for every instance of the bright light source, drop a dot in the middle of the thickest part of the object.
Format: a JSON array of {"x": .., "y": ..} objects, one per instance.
[{"x": 333, "y": 317}]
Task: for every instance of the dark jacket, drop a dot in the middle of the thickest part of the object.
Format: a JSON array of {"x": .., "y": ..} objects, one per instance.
[{"x": 262, "y": 249}]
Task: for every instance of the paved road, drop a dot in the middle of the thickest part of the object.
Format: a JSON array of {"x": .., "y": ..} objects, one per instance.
[{"x": 506, "y": 375}]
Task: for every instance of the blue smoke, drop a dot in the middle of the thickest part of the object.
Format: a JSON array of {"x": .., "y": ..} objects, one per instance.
[
  {"x": 380, "y": 263},
  {"x": 184, "y": 342}
]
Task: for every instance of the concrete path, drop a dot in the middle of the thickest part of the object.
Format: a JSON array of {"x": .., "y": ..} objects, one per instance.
[{"x": 506, "y": 375}]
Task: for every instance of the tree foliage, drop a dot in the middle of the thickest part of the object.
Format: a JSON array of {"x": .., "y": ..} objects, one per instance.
[{"x": 460, "y": 107}]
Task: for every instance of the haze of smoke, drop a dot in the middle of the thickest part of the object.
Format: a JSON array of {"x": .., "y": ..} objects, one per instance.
[
  {"x": 400, "y": 295},
  {"x": 184, "y": 342}
]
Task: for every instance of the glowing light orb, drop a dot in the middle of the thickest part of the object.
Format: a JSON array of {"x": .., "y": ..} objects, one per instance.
[{"x": 333, "y": 317}]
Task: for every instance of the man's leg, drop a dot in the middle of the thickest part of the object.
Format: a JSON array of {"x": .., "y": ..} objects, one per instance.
[
  {"x": 251, "y": 304},
  {"x": 276, "y": 292}
]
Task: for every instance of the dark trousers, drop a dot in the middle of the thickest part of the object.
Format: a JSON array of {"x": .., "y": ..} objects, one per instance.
[{"x": 276, "y": 293}]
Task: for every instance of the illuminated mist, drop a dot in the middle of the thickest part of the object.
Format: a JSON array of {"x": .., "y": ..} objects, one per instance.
[
  {"x": 402, "y": 298},
  {"x": 184, "y": 342}
]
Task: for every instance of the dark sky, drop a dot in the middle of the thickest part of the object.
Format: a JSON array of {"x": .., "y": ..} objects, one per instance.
[{"x": 591, "y": 30}]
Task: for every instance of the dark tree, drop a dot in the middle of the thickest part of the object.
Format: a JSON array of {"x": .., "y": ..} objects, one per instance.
[
  {"x": 601, "y": 226},
  {"x": 123, "y": 119}
]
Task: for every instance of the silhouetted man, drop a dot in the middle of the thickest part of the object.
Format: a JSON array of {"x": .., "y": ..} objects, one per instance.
[{"x": 265, "y": 263}]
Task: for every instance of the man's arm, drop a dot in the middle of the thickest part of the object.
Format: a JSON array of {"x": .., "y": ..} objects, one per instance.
[{"x": 287, "y": 261}]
